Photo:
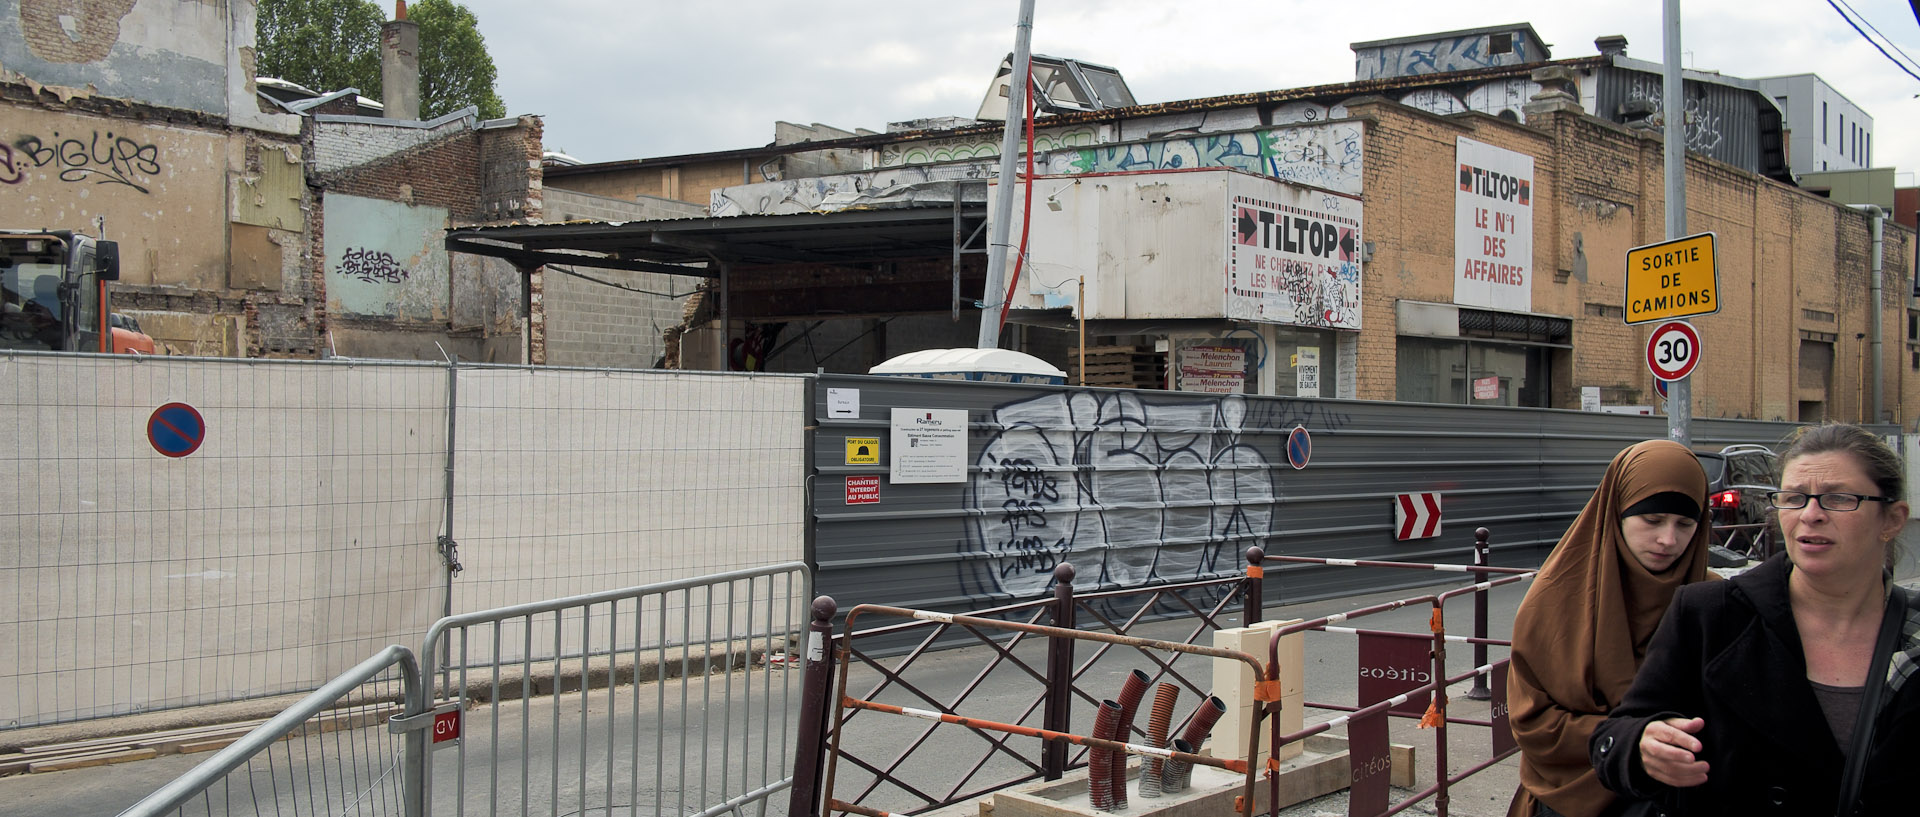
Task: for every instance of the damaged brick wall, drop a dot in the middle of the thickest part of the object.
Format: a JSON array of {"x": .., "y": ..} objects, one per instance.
[{"x": 484, "y": 175}]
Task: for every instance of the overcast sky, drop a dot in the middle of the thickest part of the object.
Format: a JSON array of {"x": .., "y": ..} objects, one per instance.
[{"x": 630, "y": 79}]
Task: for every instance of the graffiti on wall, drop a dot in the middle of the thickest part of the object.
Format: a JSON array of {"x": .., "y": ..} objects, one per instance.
[
  {"x": 1456, "y": 54},
  {"x": 821, "y": 193},
  {"x": 388, "y": 259},
  {"x": 1327, "y": 156},
  {"x": 1435, "y": 101},
  {"x": 1501, "y": 97},
  {"x": 962, "y": 150},
  {"x": 1140, "y": 492},
  {"x": 12, "y": 171},
  {"x": 371, "y": 266},
  {"x": 1703, "y": 125},
  {"x": 1294, "y": 258},
  {"x": 101, "y": 158}
]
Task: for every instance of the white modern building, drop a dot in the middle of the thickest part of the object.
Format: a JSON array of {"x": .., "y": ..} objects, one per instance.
[{"x": 1825, "y": 130}]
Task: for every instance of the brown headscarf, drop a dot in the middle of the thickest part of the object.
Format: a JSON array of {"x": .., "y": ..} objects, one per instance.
[{"x": 1583, "y": 628}]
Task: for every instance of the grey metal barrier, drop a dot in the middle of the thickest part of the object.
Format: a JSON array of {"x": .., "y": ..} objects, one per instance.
[
  {"x": 315, "y": 757},
  {"x": 1141, "y": 487},
  {"x": 559, "y": 717}
]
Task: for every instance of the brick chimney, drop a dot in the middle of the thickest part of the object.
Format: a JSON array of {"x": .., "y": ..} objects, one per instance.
[{"x": 400, "y": 65}]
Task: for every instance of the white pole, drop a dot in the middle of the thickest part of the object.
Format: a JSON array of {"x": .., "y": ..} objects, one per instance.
[
  {"x": 1673, "y": 102},
  {"x": 1003, "y": 206}
]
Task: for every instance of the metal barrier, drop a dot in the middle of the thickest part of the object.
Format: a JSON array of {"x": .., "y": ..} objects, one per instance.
[
  {"x": 892, "y": 761},
  {"x": 1189, "y": 611},
  {"x": 311, "y": 758},
  {"x": 986, "y": 727},
  {"x": 1366, "y": 724},
  {"x": 713, "y": 735},
  {"x": 1754, "y": 541}
]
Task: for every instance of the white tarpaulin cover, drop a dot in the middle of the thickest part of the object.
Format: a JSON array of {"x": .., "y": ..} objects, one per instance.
[{"x": 990, "y": 365}]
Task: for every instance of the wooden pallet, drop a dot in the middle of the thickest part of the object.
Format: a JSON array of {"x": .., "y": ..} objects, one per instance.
[
  {"x": 1127, "y": 367},
  {"x": 121, "y": 749}
]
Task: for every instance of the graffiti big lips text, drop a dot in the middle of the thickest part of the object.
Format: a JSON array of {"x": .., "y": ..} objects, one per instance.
[{"x": 100, "y": 158}]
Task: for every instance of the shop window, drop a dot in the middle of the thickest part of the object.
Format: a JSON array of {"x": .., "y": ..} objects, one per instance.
[
  {"x": 1465, "y": 372},
  {"x": 1816, "y": 366}
]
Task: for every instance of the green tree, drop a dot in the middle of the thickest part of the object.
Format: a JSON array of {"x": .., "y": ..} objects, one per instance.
[
  {"x": 455, "y": 69},
  {"x": 325, "y": 45},
  {"x": 328, "y": 45}
]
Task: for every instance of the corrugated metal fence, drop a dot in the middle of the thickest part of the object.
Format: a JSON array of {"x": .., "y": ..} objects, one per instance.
[{"x": 1137, "y": 487}]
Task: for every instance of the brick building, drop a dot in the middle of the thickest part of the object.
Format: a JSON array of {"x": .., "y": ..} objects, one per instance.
[
  {"x": 1420, "y": 310},
  {"x": 253, "y": 221}
]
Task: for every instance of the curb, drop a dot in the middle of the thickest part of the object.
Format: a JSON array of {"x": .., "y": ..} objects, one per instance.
[{"x": 515, "y": 681}]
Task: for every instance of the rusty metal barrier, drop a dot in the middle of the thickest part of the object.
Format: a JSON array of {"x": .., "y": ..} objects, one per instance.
[
  {"x": 976, "y": 625},
  {"x": 1366, "y": 724},
  {"x": 825, "y": 714},
  {"x": 1208, "y": 604}
]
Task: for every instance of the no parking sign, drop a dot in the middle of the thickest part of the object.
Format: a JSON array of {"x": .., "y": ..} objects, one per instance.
[{"x": 176, "y": 429}]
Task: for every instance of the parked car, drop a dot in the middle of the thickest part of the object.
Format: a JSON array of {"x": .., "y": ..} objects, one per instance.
[{"x": 1739, "y": 478}]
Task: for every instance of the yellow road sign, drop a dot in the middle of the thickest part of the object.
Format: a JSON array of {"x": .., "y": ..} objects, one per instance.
[
  {"x": 863, "y": 450},
  {"x": 1672, "y": 280}
]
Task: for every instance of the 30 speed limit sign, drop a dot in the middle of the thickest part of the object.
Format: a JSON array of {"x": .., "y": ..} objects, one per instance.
[{"x": 1673, "y": 350}]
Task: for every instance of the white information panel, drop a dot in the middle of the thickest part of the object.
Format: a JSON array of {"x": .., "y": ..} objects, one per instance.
[{"x": 929, "y": 445}]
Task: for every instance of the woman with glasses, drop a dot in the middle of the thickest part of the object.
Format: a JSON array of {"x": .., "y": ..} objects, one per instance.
[
  {"x": 1584, "y": 626},
  {"x": 1787, "y": 689}
]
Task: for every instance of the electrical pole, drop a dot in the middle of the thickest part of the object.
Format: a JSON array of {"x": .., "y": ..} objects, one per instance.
[
  {"x": 1673, "y": 102},
  {"x": 1000, "y": 222}
]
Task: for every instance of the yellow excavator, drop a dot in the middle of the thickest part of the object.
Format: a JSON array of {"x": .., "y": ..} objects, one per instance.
[{"x": 53, "y": 295}]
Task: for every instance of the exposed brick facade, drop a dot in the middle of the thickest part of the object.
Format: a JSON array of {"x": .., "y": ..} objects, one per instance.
[
  {"x": 1792, "y": 265},
  {"x": 340, "y": 145},
  {"x": 599, "y": 325},
  {"x": 485, "y": 175}
]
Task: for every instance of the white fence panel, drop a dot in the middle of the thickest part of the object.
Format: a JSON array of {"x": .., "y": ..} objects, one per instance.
[
  {"x": 297, "y": 538},
  {"x": 579, "y": 481}
]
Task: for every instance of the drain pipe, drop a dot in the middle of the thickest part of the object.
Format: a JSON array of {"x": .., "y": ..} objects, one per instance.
[{"x": 1874, "y": 301}]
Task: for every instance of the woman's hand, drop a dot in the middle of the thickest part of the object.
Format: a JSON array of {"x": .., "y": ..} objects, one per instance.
[{"x": 1669, "y": 752}]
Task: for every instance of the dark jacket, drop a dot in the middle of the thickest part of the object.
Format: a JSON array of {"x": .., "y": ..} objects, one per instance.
[{"x": 1729, "y": 652}]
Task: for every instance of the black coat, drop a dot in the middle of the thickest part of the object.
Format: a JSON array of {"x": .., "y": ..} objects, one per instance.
[{"x": 1729, "y": 652}]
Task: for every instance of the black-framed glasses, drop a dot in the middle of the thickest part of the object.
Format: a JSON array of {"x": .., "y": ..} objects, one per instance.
[{"x": 1794, "y": 500}]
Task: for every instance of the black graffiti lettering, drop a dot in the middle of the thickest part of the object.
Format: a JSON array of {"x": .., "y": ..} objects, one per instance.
[
  {"x": 11, "y": 172},
  {"x": 371, "y": 266},
  {"x": 101, "y": 158},
  {"x": 1016, "y": 513},
  {"x": 1030, "y": 554},
  {"x": 1022, "y": 477},
  {"x": 1285, "y": 413}
]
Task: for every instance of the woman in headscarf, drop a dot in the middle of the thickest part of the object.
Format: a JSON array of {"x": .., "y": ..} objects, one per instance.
[{"x": 1583, "y": 628}]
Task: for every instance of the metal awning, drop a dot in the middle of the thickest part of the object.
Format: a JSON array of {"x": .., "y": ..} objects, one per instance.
[{"x": 697, "y": 246}]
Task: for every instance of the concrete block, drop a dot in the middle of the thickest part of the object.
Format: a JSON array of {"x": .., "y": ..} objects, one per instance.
[
  {"x": 1321, "y": 769},
  {"x": 1233, "y": 683}
]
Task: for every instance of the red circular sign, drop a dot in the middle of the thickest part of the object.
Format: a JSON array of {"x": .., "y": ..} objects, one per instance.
[
  {"x": 176, "y": 429},
  {"x": 1673, "y": 350},
  {"x": 1299, "y": 447}
]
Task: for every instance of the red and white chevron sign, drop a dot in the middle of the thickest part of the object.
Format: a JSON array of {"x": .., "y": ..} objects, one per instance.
[{"x": 1416, "y": 516}]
